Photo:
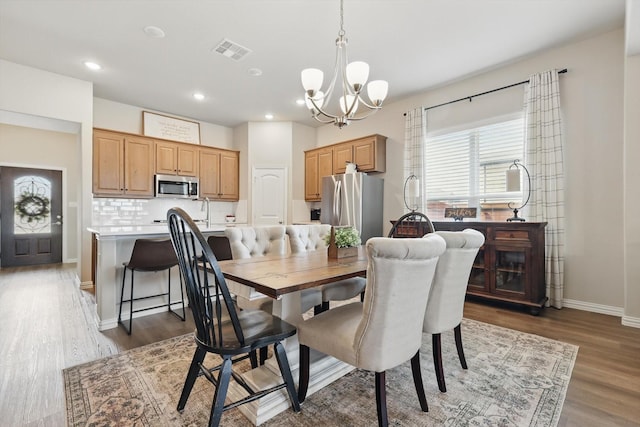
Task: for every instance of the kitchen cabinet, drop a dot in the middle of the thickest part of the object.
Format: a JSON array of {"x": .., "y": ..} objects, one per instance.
[
  {"x": 318, "y": 164},
  {"x": 175, "y": 158},
  {"x": 219, "y": 174},
  {"x": 510, "y": 265},
  {"x": 122, "y": 164},
  {"x": 342, "y": 154},
  {"x": 368, "y": 153}
]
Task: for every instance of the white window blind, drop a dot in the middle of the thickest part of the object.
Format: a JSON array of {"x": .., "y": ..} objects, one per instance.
[{"x": 467, "y": 168}]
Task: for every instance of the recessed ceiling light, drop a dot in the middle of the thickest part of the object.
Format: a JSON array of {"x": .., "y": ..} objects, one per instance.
[
  {"x": 300, "y": 102},
  {"x": 92, "y": 65},
  {"x": 198, "y": 96},
  {"x": 268, "y": 116},
  {"x": 255, "y": 72},
  {"x": 155, "y": 32}
]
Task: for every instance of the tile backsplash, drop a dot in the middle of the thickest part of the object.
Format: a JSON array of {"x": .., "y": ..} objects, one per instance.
[{"x": 144, "y": 211}]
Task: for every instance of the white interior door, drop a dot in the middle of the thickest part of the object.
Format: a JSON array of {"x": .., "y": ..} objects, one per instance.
[{"x": 268, "y": 198}]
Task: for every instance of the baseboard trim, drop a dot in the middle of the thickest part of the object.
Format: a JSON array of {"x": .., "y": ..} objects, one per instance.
[
  {"x": 596, "y": 308},
  {"x": 633, "y": 322}
]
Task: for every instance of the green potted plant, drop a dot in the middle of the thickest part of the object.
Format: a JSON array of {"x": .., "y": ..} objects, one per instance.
[{"x": 343, "y": 242}]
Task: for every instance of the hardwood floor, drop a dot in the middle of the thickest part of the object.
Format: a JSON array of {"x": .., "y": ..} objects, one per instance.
[{"x": 46, "y": 325}]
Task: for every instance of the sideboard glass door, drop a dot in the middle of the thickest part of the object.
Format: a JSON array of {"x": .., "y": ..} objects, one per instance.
[{"x": 511, "y": 271}]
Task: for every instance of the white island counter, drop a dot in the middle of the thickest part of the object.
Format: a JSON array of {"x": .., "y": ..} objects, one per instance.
[{"x": 112, "y": 247}]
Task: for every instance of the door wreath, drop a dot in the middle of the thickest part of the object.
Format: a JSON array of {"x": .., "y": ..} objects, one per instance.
[{"x": 31, "y": 207}]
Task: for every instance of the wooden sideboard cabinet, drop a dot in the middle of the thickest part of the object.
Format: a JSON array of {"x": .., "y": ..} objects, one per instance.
[{"x": 510, "y": 265}]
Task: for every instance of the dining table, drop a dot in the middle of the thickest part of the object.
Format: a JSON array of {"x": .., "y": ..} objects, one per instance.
[{"x": 282, "y": 278}]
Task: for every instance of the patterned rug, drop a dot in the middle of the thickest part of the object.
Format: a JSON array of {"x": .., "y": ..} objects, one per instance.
[{"x": 514, "y": 379}]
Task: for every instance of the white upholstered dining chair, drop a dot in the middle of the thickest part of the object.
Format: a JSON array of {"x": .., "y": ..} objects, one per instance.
[
  {"x": 259, "y": 241},
  {"x": 446, "y": 298},
  {"x": 386, "y": 329},
  {"x": 311, "y": 237}
]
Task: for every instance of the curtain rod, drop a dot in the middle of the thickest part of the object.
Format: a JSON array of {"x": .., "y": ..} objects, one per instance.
[{"x": 483, "y": 93}]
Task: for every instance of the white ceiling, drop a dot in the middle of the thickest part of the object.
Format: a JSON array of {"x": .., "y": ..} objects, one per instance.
[{"x": 414, "y": 44}]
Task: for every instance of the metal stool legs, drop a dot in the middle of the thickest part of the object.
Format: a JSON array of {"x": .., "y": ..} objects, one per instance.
[{"x": 131, "y": 300}]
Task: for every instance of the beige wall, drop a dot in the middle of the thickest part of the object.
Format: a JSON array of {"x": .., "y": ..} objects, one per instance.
[
  {"x": 36, "y": 95},
  {"x": 592, "y": 103},
  {"x": 128, "y": 118},
  {"x": 44, "y": 149},
  {"x": 631, "y": 183}
]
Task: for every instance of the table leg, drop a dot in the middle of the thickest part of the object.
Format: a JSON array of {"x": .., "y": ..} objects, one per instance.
[{"x": 323, "y": 371}]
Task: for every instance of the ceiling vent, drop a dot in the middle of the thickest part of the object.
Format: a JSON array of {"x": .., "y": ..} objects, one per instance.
[{"x": 231, "y": 50}]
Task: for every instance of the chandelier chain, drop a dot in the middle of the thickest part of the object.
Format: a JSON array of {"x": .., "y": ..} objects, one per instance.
[{"x": 341, "y": 33}]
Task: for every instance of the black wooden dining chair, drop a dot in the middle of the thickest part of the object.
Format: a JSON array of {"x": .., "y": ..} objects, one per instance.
[
  {"x": 412, "y": 224},
  {"x": 232, "y": 334}
]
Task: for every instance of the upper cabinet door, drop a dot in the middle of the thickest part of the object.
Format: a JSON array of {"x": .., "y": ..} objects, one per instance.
[
  {"x": 311, "y": 189},
  {"x": 209, "y": 173},
  {"x": 138, "y": 174},
  {"x": 108, "y": 163},
  {"x": 166, "y": 158},
  {"x": 229, "y": 175},
  {"x": 342, "y": 154},
  {"x": 122, "y": 164},
  {"x": 174, "y": 158},
  {"x": 187, "y": 160},
  {"x": 370, "y": 153},
  {"x": 219, "y": 174}
]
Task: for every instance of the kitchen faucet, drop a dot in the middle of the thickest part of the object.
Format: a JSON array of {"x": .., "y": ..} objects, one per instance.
[{"x": 206, "y": 202}]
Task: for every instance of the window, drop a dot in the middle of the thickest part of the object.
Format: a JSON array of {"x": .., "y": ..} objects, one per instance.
[{"x": 466, "y": 168}]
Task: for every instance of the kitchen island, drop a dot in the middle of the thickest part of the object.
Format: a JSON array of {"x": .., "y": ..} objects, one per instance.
[{"x": 112, "y": 246}]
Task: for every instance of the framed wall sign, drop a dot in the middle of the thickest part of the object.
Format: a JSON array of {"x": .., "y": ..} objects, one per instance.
[{"x": 161, "y": 126}]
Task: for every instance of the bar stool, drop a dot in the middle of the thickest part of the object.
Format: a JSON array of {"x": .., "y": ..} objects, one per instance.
[{"x": 150, "y": 255}]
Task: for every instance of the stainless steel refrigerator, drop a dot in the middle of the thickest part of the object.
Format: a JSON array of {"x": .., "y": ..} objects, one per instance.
[{"x": 354, "y": 199}]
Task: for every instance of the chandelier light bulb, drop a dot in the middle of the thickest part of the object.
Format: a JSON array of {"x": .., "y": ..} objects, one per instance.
[
  {"x": 350, "y": 102},
  {"x": 357, "y": 74},
  {"x": 312, "y": 80},
  {"x": 318, "y": 99},
  {"x": 377, "y": 91}
]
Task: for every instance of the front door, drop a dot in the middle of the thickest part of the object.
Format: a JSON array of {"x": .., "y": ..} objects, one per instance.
[{"x": 30, "y": 216}]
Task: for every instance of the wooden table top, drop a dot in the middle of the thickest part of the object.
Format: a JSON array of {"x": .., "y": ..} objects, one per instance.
[{"x": 280, "y": 275}]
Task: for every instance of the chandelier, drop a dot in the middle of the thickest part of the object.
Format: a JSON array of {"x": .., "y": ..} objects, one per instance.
[{"x": 353, "y": 77}]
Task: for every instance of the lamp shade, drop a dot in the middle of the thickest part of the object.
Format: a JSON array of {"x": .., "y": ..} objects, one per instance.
[
  {"x": 311, "y": 79},
  {"x": 377, "y": 91},
  {"x": 357, "y": 74},
  {"x": 318, "y": 99},
  {"x": 350, "y": 101},
  {"x": 413, "y": 189},
  {"x": 513, "y": 179}
]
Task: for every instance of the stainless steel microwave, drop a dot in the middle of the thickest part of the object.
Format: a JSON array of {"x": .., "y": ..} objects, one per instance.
[{"x": 176, "y": 187}]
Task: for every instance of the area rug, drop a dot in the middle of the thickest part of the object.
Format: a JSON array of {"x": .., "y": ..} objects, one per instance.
[{"x": 514, "y": 379}]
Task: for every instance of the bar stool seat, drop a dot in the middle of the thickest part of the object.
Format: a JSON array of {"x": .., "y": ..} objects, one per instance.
[{"x": 150, "y": 255}]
